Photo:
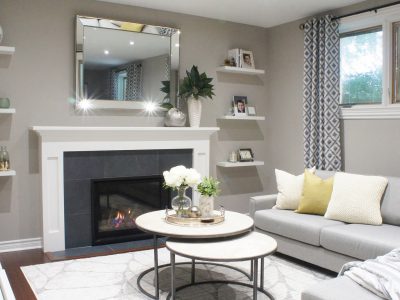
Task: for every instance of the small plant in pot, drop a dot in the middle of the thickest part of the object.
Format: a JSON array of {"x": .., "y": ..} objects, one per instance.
[
  {"x": 194, "y": 88},
  {"x": 208, "y": 189}
]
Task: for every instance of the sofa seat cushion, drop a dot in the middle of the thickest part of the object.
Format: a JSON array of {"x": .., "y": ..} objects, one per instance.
[
  {"x": 342, "y": 288},
  {"x": 300, "y": 227},
  {"x": 361, "y": 241}
]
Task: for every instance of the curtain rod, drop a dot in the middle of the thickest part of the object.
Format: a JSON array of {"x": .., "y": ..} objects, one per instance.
[{"x": 375, "y": 9}]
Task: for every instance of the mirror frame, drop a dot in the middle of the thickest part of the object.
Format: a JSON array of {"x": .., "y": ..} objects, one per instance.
[{"x": 115, "y": 104}]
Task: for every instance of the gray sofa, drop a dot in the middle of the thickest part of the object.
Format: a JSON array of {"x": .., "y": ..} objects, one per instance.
[{"x": 328, "y": 243}]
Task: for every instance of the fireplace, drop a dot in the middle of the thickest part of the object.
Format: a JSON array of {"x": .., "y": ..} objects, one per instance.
[
  {"x": 66, "y": 169},
  {"x": 117, "y": 202}
]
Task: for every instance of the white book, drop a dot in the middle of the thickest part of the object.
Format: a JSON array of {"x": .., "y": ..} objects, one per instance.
[{"x": 234, "y": 55}]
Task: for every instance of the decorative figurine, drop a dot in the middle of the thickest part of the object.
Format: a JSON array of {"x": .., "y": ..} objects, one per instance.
[{"x": 194, "y": 212}]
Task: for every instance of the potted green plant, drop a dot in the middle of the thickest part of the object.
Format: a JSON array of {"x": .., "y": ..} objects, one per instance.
[
  {"x": 194, "y": 87},
  {"x": 208, "y": 189}
]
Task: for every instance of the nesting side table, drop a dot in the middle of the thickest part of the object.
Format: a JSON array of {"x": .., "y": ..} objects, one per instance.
[
  {"x": 154, "y": 222},
  {"x": 250, "y": 246}
]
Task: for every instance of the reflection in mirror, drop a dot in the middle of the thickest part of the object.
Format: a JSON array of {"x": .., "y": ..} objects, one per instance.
[{"x": 125, "y": 62}]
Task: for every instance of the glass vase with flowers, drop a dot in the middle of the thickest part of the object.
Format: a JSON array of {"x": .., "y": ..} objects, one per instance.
[{"x": 180, "y": 178}]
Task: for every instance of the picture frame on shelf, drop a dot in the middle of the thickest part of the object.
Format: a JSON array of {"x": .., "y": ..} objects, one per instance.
[
  {"x": 240, "y": 105},
  {"x": 251, "y": 110},
  {"x": 247, "y": 59},
  {"x": 245, "y": 155}
]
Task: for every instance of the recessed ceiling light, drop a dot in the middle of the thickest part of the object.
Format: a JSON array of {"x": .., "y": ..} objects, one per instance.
[
  {"x": 131, "y": 43},
  {"x": 106, "y": 52},
  {"x": 176, "y": 45}
]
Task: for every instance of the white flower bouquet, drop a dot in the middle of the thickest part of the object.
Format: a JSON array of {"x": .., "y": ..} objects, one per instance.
[{"x": 180, "y": 176}]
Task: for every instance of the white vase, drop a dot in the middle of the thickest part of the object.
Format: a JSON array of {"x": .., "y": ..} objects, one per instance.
[
  {"x": 206, "y": 206},
  {"x": 194, "y": 108}
]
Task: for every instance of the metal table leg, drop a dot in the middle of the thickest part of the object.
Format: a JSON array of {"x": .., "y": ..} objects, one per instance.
[
  {"x": 156, "y": 279},
  {"x": 172, "y": 276},
  {"x": 262, "y": 274},
  {"x": 193, "y": 271},
  {"x": 255, "y": 279},
  {"x": 251, "y": 269}
]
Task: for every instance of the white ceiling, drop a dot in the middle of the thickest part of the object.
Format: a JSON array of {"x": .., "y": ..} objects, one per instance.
[{"x": 263, "y": 13}]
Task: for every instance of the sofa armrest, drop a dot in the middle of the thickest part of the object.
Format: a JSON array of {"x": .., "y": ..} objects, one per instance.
[{"x": 261, "y": 202}]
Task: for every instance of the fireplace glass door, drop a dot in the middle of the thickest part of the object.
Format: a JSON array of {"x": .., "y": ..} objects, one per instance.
[{"x": 117, "y": 202}]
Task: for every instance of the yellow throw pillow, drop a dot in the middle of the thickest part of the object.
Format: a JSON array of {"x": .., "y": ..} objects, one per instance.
[{"x": 316, "y": 194}]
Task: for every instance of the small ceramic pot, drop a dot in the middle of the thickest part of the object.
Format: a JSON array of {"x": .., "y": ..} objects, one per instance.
[{"x": 4, "y": 103}]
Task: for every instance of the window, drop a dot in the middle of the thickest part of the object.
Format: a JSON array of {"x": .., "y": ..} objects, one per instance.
[
  {"x": 396, "y": 63},
  {"x": 121, "y": 85},
  {"x": 361, "y": 65},
  {"x": 370, "y": 65}
]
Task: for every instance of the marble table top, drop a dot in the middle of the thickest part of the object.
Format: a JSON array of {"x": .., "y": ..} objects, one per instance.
[
  {"x": 244, "y": 247},
  {"x": 234, "y": 224}
]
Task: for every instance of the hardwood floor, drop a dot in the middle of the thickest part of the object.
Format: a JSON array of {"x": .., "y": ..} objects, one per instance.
[{"x": 12, "y": 261}]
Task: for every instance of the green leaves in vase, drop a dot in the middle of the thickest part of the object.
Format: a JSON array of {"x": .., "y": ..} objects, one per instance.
[{"x": 196, "y": 85}]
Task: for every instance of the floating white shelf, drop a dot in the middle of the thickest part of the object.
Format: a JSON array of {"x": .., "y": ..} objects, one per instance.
[
  {"x": 236, "y": 70},
  {"x": 227, "y": 164},
  {"x": 255, "y": 118},
  {"x": 7, "y": 110},
  {"x": 4, "y": 50},
  {"x": 8, "y": 173}
]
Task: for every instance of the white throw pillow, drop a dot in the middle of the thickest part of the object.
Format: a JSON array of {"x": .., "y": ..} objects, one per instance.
[
  {"x": 290, "y": 189},
  {"x": 356, "y": 199}
]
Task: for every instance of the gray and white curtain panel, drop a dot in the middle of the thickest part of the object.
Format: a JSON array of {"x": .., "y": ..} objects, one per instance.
[
  {"x": 134, "y": 89},
  {"x": 321, "y": 94},
  {"x": 134, "y": 81}
]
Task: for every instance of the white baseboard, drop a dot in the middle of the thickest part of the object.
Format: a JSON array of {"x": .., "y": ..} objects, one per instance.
[{"x": 18, "y": 245}]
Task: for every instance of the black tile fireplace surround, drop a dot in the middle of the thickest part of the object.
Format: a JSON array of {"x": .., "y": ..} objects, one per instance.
[{"x": 83, "y": 168}]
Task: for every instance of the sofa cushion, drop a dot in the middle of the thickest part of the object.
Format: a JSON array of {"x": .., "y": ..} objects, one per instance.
[
  {"x": 361, "y": 241},
  {"x": 290, "y": 188},
  {"x": 316, "y": 194},
  {"x": 300, "y": 227},
  {"x": 342, "y": 288},
  {"x": 390, "y": 207},
  {"x": 356, "y": 198}
]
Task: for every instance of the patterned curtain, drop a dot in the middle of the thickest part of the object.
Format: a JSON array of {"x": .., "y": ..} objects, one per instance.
[
  {"x": 114, "y": 84},
  {"x": 321, "y": 94},
  {"x": 134, "y": 82}
]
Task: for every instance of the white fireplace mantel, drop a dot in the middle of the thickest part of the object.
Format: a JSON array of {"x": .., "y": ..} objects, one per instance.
[{"x": 55, "y": 140}]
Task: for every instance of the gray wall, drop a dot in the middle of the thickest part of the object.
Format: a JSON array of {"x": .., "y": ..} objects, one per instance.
[
  {"x": 40, "y": 81},
  {"x": 369, "y": 146}
]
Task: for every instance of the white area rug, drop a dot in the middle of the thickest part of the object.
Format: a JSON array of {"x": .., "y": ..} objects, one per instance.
[{"x": 114, "y": 277}]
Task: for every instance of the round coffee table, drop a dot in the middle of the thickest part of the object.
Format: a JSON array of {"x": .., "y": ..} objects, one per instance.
[
  {"x": 155, "y": 223},
  {"x": 251, "y": 246}
]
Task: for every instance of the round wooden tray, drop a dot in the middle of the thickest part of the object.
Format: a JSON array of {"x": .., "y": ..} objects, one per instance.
[{"x": 200, "y": 221}]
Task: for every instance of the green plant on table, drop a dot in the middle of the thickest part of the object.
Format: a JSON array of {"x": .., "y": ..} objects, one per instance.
[{"x": 209, "y": 187}]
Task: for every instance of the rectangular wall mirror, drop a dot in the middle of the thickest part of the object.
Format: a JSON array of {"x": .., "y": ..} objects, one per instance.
[{"x": 125, "y": 65}]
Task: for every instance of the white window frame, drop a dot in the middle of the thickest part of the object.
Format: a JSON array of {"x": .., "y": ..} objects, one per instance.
[{"x": 384, "y": 17}]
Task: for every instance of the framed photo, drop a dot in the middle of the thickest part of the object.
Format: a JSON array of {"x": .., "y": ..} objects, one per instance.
[
  {"x": 246, "y": 155},
  {"x": 240, "y": 105},
  {"x": 251, "y": 110},
  {"x": 247, "y": 59}
]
